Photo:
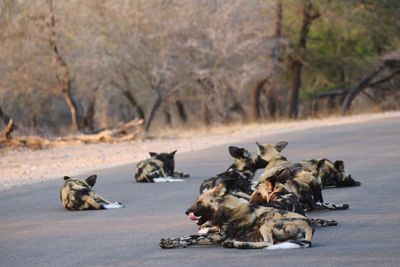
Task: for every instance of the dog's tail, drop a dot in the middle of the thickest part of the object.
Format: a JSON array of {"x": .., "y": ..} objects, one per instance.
[
  {"x": 318, "y": 222},
  {"x": 331, "y": 206},
  {"x": 167, "y": 180},
  {"x": 290, "y": 245},
  {"x": 115, "y": 205}
]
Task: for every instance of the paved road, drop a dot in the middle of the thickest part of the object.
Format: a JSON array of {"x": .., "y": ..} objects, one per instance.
[{"x": 36, "y": 231}]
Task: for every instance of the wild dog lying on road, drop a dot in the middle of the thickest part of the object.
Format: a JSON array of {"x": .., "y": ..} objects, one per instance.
[
  {"x": 76, "y": 194},
  {"x": 276, "y": 195},
  {"x": 331, "y": 173},
  {"x": 304, "y": 183},
  {"x": 241, "y": 171},
  {"x": 243, "y": 225},
  {"x": 157, "y": 169}
]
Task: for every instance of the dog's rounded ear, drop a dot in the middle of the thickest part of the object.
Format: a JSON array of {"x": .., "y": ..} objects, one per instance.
[
  {"x": 66, "y": 178},
  {"x": 173, "y": 153},
  {"x": 271, "y": 182},
  {"x": 91, "y": 180},
  {"x": 339, "y": 165},
  {"x": 318, "y": 166},
  {"x": 227, "y": 181},
  {"x": 280, "y": 145},
  {"x": 152, "y": 154},
  {"x": 235, "y": 151},
  {"x": 260, "y": 148},
  {"x": 238, "y": 152},
  {"x": 225, "y": 185}
]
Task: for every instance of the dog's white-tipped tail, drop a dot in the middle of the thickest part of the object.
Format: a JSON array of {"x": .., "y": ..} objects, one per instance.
[
  {"x": 167, "y": 180},
  {"x": 115, "y": 205},
  {"x": 290, "y": 245}
]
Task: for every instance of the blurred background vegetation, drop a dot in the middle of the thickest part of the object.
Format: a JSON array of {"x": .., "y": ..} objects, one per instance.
[{"x": 85, "y": 65}]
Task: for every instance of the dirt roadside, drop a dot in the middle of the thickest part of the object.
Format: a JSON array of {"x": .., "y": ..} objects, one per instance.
[{"x": 22, "y": 167}]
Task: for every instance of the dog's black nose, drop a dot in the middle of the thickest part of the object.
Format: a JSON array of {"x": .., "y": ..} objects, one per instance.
[{"x": 187, "y": 212}]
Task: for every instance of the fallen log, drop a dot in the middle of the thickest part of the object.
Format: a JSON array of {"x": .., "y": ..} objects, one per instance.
[{"x": 124, "y": 132}]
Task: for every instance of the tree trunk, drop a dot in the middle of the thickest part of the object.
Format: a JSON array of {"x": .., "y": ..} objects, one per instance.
[
  {"x": 64, "y": 82},
  {"x": 295, "y": 63},
  {"x": 181, "y": 111},
  {"x": 272, "y": 104},
  {"x": 88, "y": 122},
  {"x": 204, "y": 113},
  {"x": 359, "y": 87},
  {"x": 167, "y": 115},
  {"x": 6, "y": 119},
  {"x": 295, "y": 84},
  {"x": 134, "y": 103},
  {"x": 276, "y": 54},
  {"x": 256, "y": 94},
  {"x": 153, "y": 111}
]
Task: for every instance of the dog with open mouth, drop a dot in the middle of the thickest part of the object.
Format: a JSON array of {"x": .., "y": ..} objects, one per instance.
[{"x": 243, "y": 225}]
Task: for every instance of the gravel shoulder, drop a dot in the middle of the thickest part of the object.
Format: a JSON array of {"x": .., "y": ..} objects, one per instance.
[{"x": 22, "y": 167}]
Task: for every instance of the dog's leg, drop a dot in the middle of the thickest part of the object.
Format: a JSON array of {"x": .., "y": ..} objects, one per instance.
[
  {"x": 180, "y": 174},
  {"x": 331, "y": 206},
  {"x": 91, "y": 204},
  {"x": 209, "y": 239},
  {"x": 245, "y": 245},
  {"x": 347, "y": 182},
  {"x": 242, "y": 195},
  {"x": 165, "y": 178},
  {"x": 300, "y": 229},
  {"x": 318, "y": 222},
  {"x": 266, "y": 233},
  {"x": 107, "y": 204},
  {"x": 99, "y": 199}
]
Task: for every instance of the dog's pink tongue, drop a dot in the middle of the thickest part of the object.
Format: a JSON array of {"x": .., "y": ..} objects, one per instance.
[{"x": 194, "y": 217}]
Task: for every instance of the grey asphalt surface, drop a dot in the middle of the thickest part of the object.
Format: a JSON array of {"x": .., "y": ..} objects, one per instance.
[{"x": 35, "y": 230}]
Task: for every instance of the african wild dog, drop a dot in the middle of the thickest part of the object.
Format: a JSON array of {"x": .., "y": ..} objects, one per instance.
[
  {"x": 76, "y": 194},
  {"x": 243, "y": 225},
  {"x": 242, "y": 171},
  {"x": 331, "y": 173},
  {"x": 159, "y": 168},
  {"x": 304, "y": 183},
  {"x": 275, "y": 194}
]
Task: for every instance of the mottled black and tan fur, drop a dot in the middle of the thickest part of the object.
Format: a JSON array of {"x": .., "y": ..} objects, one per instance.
[
  {"x": 243, "y": 225},
  {"x": 274, "y": 194},
  {"x": 159, "y": 168},
  {"x": 330, "y": 173},
  {"x": 241, "y": 171},
  {"x": 77, "y": 194},
  {"x": 301, "y": 181}
]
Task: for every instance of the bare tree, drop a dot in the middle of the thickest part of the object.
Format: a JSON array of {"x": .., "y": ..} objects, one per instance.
[
  {"x": 276, "y": 57},
  {"x": 62, "y": 72}
]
